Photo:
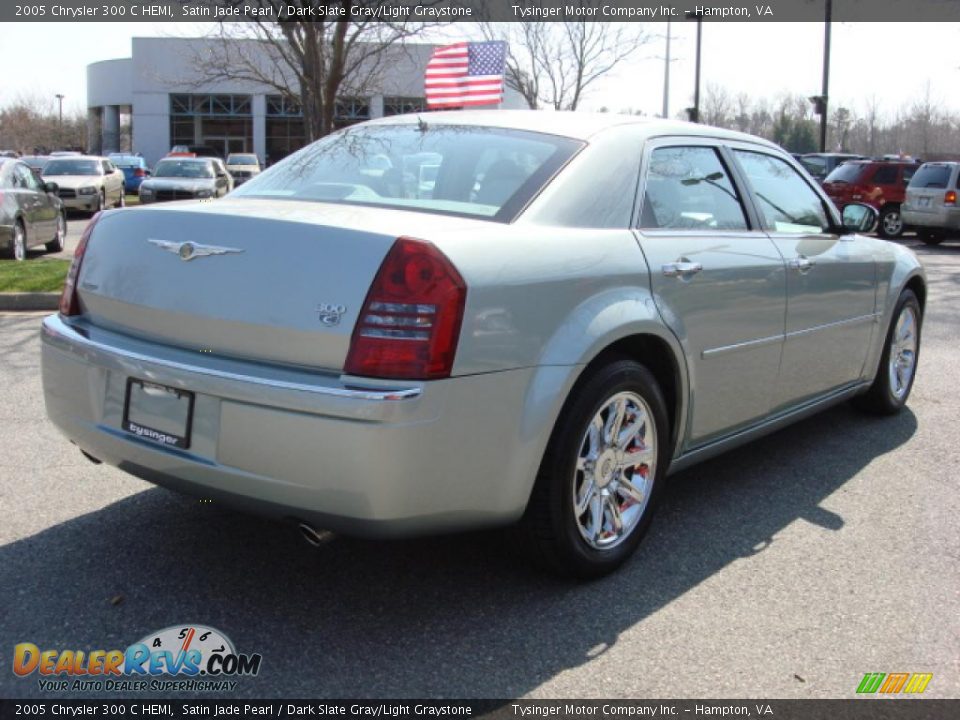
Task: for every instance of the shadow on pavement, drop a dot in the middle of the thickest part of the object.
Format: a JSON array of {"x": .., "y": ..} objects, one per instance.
[{"x": 458, "y": 616}]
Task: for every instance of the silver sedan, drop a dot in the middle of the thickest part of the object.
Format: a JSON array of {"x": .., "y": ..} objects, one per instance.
[{"x": 574, "y": 307}]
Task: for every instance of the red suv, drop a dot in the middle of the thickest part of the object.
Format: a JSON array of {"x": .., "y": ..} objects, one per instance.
[{"x": 879, "y": 183}]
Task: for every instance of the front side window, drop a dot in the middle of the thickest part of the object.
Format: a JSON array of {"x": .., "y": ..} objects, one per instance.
[
  {"x": 689, "y": 188},
  {"x": 459, "y": 170},
  {"x": 26, "y": 177},
  {"x": 785, "y": 201}
]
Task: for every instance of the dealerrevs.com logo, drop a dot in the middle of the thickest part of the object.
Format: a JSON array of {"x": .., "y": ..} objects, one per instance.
[{"x": 183, "y": 657}]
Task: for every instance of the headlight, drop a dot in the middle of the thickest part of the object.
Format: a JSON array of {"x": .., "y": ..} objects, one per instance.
[
  {"x": 203, "y": 193},
  {"x": 87, "y": 191}
]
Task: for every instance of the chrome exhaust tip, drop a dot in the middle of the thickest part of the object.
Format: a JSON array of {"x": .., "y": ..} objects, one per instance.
[{"x": 314, "y": 537}]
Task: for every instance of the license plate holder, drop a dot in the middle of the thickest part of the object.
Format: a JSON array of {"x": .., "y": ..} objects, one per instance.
[{"x": 158, "y": 413}]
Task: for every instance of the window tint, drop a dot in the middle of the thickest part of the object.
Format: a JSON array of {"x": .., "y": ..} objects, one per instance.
[
  {"x": 931, "y": 176},
  {"x": 885, "y": 175},
  {"x": 481, "y": 172},
  {"x": 26, "y": 178},
  {"x": 785, "y": 201},
  {"x": 689, "y": 188},
  {"x": 908, "y": 173},
  {"x": 846, "y": 173},
  {"x": 814, "y": 165}
]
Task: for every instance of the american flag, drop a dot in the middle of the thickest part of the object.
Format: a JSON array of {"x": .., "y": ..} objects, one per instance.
[{"x": 466, "y": 73}]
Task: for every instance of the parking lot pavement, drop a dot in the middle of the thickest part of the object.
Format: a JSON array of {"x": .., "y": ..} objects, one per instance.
[{"x": 787, "y": 568}]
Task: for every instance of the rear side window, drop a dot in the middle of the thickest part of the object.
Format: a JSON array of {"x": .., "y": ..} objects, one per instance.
[
  {"x": 846, "y": 173},
  {"x": 885, "y": 175},
  {"x": 473, "y": 171},
  {"x": 931, "y": 176},
  {"x": 689, "y": 188},
  {"x": 785, "y": 201}
]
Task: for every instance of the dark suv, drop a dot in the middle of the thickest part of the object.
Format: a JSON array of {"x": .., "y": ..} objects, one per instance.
[
  {"x": 879, "y": 183},
  {"x": 822, "y": 164}
]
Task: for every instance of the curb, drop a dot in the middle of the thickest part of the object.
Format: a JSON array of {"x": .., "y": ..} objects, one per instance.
[{"x": 25, "y": 301}]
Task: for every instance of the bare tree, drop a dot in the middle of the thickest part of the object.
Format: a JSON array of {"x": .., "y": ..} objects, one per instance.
[
  {"x": 717, "y": 107},
  {"x": 31, "y": 123},
  {"x": 554, "y": 64},
  {"x": 311, "y": 62}
]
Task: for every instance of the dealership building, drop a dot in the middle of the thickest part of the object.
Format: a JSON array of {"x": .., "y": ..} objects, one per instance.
[{"x": 170, "y": 91}]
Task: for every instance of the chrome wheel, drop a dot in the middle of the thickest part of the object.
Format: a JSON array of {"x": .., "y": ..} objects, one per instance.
[
  {"x": 19, "y": 243},
  {"x": 903, "y": 352},
  {"x": 892, "y": 223},
  {"x": 615, "y": 468}
]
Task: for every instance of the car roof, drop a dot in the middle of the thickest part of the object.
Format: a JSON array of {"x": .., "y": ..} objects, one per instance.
[
  {"x": 187, "y": 159},
  {"x": 577, "y": 125}
]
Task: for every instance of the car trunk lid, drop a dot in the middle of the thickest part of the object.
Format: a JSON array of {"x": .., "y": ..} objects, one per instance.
[{"x": 274, "y": 281}]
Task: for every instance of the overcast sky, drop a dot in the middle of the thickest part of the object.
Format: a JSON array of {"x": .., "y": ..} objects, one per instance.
[{"x": 892, "y": 61}]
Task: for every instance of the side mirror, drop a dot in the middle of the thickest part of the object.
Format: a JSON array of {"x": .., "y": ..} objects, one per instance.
[
  {"x": 51, "y": 187},
  {"x": 860, "y": 218}
]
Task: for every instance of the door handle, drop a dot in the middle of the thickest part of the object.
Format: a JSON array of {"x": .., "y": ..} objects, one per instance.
[
  {"x": 681, "y": 268},
  {"x": 802, "y": 263}
]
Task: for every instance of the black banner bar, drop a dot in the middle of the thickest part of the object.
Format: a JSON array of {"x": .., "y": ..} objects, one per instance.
[
  {"x": 478, "y": 10},
  {"x": 873, "y": 708}
]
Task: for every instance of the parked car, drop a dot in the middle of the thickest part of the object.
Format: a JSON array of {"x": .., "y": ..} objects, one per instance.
[
  {"x": 220, "y": 169},
  {"x": 86, "y": 182},
  {"x": 30, "y": 212},
  {"x": 931, "y": 205},
  {"x": 134, "y": 169},
  {"x": 878, "y": 183},
  {"x": 181, "y": 178},
  {"x": 242, "y": 167},
  {"x": 819, "y": 165},
  {"x": 192, "y": 151},
  {"x": 9, "y": 154},
  {"x": 615, "y": 299},
  {"x": 66, "y": 153}
]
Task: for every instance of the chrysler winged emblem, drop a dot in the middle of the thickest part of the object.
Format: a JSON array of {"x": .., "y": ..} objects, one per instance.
[{"x": 191, "y": 250}]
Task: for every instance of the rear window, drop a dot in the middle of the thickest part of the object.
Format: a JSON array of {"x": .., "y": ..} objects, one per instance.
[
  {"x": 846, "y": 173},
  {"x": 814, "y": 165},
  {"x": 448, "y": 169},
  {"x": 931, "y": 176},
  {"x": 242, "y": 160}
]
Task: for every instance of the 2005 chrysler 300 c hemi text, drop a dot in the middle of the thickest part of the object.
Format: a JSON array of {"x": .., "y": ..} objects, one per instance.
[{"x": 432, "y": 323}]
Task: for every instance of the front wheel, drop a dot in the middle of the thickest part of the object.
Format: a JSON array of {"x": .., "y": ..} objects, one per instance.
[
  {"x": 596, "y": 491},
  {"x": 122, "y": 202},
  {"x": 898, "y": 364},
  {"x": 891, "y": 224}
]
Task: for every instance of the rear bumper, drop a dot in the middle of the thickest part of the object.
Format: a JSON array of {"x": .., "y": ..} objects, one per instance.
[
  {"x": 340, "y": 453},
  {"x": 941, "y": 218}
]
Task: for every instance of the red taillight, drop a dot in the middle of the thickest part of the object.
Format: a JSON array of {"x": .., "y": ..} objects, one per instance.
[
  {"x": 950, "y": 198},
  {"x": 139, "y": 173},
  {"x": 410, "y": 322},
  {"x": 69, "y": 302}
]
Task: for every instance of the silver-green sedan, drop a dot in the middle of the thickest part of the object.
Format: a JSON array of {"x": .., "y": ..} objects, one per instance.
[{"x": 574, "y": 307}]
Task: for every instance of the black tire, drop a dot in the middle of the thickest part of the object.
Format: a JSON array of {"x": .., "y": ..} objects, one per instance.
[
  {"x": 550, "y": 526},
  {"x": 56, "y": 245},
  {"x": 891, "y": 223},
  {"x": 101, "y": 203},
  {"x": 122, "y": 202},
  {"x": 880, "y": 398},
  {"x": 931, "y": 237}
]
